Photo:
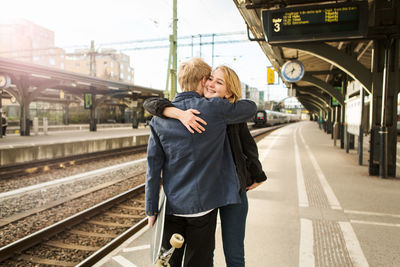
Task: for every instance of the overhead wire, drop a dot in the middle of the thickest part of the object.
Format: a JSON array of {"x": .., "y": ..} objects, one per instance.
[{"x": 84, "y": 47}]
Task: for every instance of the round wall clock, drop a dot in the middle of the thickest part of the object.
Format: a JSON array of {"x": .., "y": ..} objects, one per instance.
[
  {"x": 292, "y": 71},
  {"x": 4, "y": 81}
]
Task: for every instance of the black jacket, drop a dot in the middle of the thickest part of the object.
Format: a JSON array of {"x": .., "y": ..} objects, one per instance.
[{"x": 243, "y": 146}]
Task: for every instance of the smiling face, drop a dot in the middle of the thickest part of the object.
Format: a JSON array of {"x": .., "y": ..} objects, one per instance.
[{"x": 216, "y": 85}]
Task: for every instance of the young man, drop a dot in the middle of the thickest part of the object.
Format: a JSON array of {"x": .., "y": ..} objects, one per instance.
[{"x": 198, "y": 173}]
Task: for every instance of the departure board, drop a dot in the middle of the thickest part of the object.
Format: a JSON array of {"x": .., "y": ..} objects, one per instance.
[{"x": 316, "y": 23}]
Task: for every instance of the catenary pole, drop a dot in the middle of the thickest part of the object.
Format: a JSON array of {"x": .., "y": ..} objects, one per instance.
[{"x": 174, "y": 49}]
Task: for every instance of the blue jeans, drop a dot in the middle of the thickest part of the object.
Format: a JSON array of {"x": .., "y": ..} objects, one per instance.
[{"x": 233, "y": 226}]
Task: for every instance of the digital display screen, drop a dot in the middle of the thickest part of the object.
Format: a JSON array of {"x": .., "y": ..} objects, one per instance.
[{"x": 316, "y": 23}]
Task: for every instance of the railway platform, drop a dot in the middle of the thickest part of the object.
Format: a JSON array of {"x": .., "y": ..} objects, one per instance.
[
  {"x": 63, "y": 141},
  {"x": 317, "y": 208},
  {"x": 16, "y": 149}
]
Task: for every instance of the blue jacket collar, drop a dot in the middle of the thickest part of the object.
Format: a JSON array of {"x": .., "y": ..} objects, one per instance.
[{"x": 185, "y": 95}]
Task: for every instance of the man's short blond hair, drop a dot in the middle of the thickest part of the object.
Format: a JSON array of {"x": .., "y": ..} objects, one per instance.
[{"x": 191, "y": 72}]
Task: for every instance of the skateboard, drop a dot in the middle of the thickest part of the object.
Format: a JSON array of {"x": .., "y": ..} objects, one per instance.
[{"x": 159, "y": 255}]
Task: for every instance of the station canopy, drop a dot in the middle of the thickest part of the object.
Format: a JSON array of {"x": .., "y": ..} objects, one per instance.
[{"x": 330, "y": 38}]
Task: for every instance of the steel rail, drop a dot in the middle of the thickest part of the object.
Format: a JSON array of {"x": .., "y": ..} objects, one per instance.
[
  {"x": 18, "y": 246},
  {"x": 267, "y": 130},
  {"x": 104, "y": 251}
]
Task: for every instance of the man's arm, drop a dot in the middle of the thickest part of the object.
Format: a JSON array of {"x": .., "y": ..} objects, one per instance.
[
  {"x": 164, "y": 108},
  {"x": 155, "y": 162},
  {"x": 237, "y": 112}
]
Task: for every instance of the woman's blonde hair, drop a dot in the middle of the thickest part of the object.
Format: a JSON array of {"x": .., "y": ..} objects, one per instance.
[
  {"x": 232, "y": 83},
  {"x": 191, "y": 72}
]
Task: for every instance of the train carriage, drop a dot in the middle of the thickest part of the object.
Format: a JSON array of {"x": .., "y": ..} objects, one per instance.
[{"x": 271, "y": 118}]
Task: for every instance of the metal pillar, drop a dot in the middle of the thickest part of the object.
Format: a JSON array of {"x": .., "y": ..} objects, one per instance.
[
  {"x": 383, "y": 166},
  {"x": 361, "y": 132},
  {"x": 383, "y": 142},
  {"x": 336, "y": 128},
  {"x": 24, "y": 105},
  {"x": 212, "y": 61},
  {"x": 343, "y": 128},
  {"x": 66, "y": 114},
  {"x": 93, "y": 125},
  {"x": 92, "y": 58},
  {"x": 329, "y": 123},
  {"x": 173, "y": 47},
  {"x": 135, "y": 121},
  {"x": 385, "y": 84},
  {"x": 25, "y": 121}
]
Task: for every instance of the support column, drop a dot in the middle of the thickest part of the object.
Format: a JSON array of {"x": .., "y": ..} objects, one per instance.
[
  {"x": 66, "y": 114},
  {"x": 383, "y": 142},
  {"x": 25, "y": 101},
  {"x": 343, "y": 128},
  {"x": 361, "y": 132},
  {"x": 25, "y": 118},
  {"x": 135, "y": 121},
  {"x": 329, "y": 123},
  {"x": 122, "y": 111},
  {"x": 93, "y": 125}
]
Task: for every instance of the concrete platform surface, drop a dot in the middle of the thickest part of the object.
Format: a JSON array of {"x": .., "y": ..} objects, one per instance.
[
  {"x": 317, "y": 208},
  {"x": 16, "y": 149},
  {"x": 14, "y": 140}
]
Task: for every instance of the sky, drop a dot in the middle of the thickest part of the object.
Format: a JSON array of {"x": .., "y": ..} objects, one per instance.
[{"x": 76, "y": 23}]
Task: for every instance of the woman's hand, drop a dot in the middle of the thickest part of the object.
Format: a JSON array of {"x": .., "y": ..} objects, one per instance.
[
  {"x": 254, "y": 185},
  {"x": 191, "y": 121},
  {"x": 151, "y": 220}
]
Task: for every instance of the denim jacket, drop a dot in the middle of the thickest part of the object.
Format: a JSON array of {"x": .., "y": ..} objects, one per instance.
[
  {"x": 244, "y": 148},
  {"x": 197, "y": 170}
]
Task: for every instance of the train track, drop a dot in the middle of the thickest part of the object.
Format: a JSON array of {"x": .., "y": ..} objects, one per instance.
[
  {"x": 259, "y": 133},
  {"x": 84, "y": 238},
  {"x": 17, "y": 170}
]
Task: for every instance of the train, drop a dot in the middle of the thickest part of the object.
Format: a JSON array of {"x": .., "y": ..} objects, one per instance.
[{"x": 271, "y": 118}]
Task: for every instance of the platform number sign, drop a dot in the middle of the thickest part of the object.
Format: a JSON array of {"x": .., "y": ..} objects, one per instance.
[
  {"x": 325, "y": 22},
  {"x": 88, "y": 101},
  {"x": 277, "y": 24}
]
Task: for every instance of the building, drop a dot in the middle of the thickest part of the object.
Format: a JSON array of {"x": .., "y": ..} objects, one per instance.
[
  {"x": 23, "y": 40},
  {"x": 26, "y": 41},
  {"x": 108, "y": 64},
  {"x": 253, "y": 94}
]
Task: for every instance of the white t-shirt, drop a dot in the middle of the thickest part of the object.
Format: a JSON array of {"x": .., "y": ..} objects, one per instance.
[{"x": 194, "y": 214}]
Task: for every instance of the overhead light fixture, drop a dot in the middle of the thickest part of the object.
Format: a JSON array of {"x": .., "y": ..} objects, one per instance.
[{"x": 112, "y": 87}]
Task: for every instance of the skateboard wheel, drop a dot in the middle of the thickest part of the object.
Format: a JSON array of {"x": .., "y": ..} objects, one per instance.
[{"x": 176, "y": 240}]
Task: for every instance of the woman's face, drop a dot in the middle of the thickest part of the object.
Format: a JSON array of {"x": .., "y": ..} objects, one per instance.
[{"x": 216, "y": 85}]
